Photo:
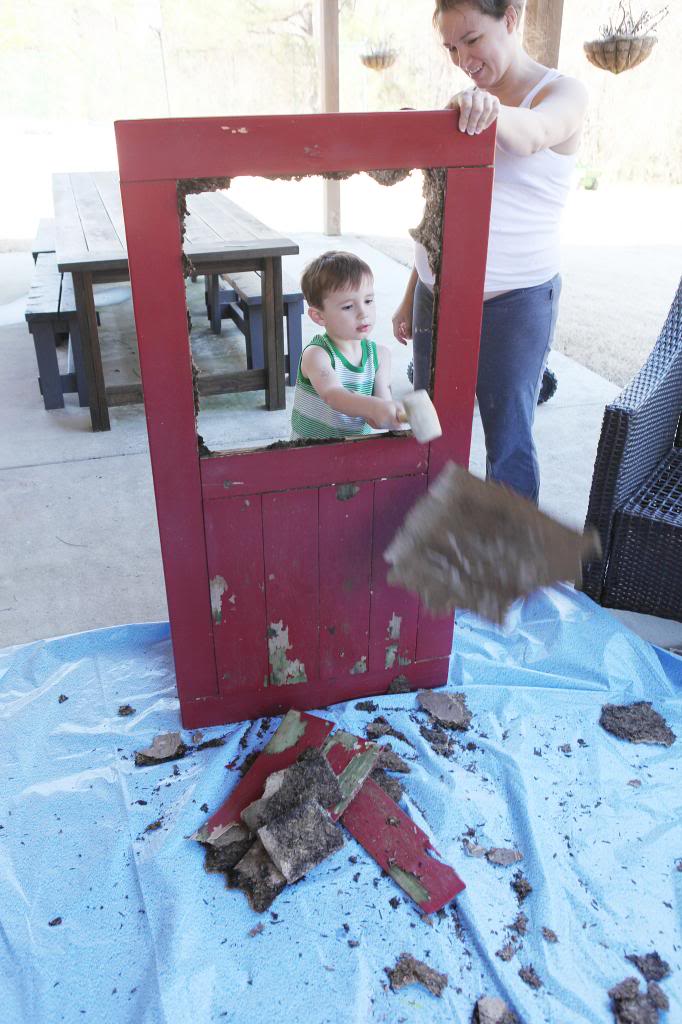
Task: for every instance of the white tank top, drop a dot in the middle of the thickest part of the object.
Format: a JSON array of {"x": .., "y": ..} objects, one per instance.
[{"x": 529, "y": 194}]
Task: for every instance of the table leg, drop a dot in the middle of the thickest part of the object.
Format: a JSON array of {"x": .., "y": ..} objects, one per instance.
[
  {"x": 92, "y": 355},
  {"x": 273, "y": 330}
]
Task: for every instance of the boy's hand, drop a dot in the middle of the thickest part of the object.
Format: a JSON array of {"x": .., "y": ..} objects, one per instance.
[{"x": 385, "y": 415}]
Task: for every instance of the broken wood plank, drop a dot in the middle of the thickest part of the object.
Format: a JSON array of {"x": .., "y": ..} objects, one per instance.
[
  {"x": 400, "y": 847},
  {"x": 353, "y": 760},
  {"x": 297, "y": 732}
]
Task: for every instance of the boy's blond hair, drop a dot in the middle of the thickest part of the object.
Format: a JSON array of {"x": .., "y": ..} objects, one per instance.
[{"x": 331, "y": 272}]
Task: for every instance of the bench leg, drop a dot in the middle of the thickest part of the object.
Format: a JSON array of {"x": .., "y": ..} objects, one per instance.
[
  {"x": 294, "y": 315},
  {"x": 48, "y": 367},
  {"x": 76, "y": 350},
  {"x": 255, "y": 355},
  {"x": 213, "y": 286}
]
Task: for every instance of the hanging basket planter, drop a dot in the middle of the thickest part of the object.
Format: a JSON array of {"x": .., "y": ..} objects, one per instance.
[
  {"x": 619, "y": 53},
  {"x": 379, "y": 60},
  {"x": 625, "y": 41}
]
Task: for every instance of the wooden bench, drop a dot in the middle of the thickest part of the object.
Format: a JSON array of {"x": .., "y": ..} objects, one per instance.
[
  {"x": 45, "y": 240},
  {"x": 239, "y": 299},
  {"x": 51, "y": 312}
]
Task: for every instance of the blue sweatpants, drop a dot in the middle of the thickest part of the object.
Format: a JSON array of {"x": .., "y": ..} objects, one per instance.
[{"x": 516, "y": 336}]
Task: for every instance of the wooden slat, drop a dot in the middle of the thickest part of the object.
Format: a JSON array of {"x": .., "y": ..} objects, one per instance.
[
  {"x": 291, "y": 581},
  {"x": 312, "y": 465},
  {"x": 110, "y": 192},
  {"x": 43, "y": 296},
  {"x": 286, "y": 144},
  {"x": 234, "y": 544},
  {"x": 394, "y": 612},
  {"x": 69, "y": 232},
  {"x": 46, "y": 238},
  {"x": 100, "y": 234},
  {"x": 231, "y": 221},
  {"x": 345, "y": 538}
]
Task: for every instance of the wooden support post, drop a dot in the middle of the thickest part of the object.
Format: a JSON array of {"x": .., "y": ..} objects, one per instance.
[
  {"x": 542, "y": 30},
  {"x": 329, "y": 92}
]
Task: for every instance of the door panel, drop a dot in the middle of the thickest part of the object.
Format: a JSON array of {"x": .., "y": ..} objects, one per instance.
[{"x": 290, "y": 542}]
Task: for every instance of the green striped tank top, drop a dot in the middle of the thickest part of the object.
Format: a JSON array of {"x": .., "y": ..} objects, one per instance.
[{"x": 311, "y": 417}]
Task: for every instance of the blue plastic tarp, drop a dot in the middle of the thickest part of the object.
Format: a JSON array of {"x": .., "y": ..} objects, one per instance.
[{"x": 147, "y": 937}]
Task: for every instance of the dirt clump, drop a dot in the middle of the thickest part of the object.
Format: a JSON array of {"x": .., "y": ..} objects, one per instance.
[
  {"x": 521, "y": 886},
  {"x": 390, "y": 761},
  {"x": 649, "y": 965},
  {"x": 530, "y": 976},
  {"x": 630, "y": 1006},
  {"x": 637, "y": 723},
  {"x": 382, "y": 727},
  {"x": 549, "y": 936},
  {"x": 410, "y": 971},
  {"x": 389, "y": 785}
]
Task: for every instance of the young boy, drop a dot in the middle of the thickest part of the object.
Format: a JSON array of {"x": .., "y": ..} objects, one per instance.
[{"x": 343, "y": 383}]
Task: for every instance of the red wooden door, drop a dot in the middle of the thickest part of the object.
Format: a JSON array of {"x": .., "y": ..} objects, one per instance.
[{"x": 273, "y": 560}]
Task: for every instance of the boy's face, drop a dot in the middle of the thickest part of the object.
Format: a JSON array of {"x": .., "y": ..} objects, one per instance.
[{"x": 348, "y": 314}]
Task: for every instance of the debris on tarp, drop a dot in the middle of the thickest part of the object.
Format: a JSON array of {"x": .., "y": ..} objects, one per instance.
[
  {"x": 125, "y": 710},
  {"x": 389, "y": 761},
  {"x": 279, "y": 821},
  {"x": 382, "y": 727},
  {"x": 521, "y": 886},
  {"x": 448, "y": 709},
  {"x": 549, "y": 936},
  {"x": 630, "y": 1006},
  {"x": 410, "y": 971},
  {"x": 300, "y": 839},
  {"x": 470, "y": 543},
  {"x": 530, "y": 976},
  {"x": 637, "y": 722},
  {"x": 503, "y": 856},
  {"x": 168, "y": 746},
  {"x": 649, "y": 965},
  {"x": 493, "y": 1010}
]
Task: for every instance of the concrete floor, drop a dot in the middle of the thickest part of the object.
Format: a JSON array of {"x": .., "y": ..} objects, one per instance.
[{"x": 80, "y": 540}]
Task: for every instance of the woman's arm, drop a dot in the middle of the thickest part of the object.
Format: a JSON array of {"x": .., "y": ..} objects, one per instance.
[
  {"x": 524, "y": 130},
  {"x": 402, "y": 318}
]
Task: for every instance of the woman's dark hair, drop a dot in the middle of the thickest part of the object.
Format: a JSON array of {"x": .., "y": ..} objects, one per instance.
[{"x": 493, "y": 8}]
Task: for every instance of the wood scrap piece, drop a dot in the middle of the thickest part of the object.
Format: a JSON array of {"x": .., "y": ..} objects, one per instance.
[
  {"x": 448, "y": 709},
  {"x": 474, "y": 544},
  {"x": 167, "y": 746},
  {"x": 493, "y": 1010},
  {"x": 310, "y": 778},
  {"x": 401, "y": 849},
  {"x": 256, "y": 875},
  {"x": 410, "y": 971},
  {"x": 352, "y": 759},
  {"x": 296, "y": 732},
  {"x": 637, "y": 723},
  {"x": 503, "y": 856},
  {"x": 300, "y": 839}
]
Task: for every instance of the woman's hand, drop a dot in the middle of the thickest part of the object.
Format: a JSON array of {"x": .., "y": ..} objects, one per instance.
[
  {"x": 477, "y": 110},
  {"x": 402, "y": 322}
]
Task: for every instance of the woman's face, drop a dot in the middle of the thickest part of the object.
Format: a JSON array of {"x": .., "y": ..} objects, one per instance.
[{"x": 481, "y": 46}]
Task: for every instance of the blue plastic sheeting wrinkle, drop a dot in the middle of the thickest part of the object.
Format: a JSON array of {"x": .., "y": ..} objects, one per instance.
[{"x": 147, "y": 937}]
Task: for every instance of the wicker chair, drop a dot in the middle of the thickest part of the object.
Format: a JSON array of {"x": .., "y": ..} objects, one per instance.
[{"x": 636, "y": 497}]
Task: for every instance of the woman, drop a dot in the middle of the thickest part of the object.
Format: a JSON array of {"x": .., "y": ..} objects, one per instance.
[{"x": 539, "y": 115}]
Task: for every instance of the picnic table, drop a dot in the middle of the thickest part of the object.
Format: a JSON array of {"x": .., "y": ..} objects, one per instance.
[{"x": 220, "y": 237}]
